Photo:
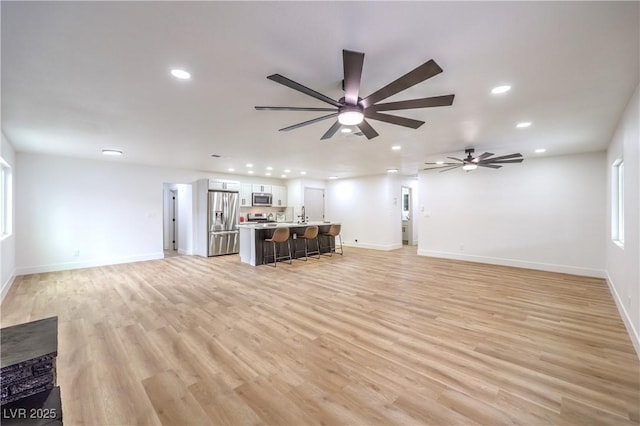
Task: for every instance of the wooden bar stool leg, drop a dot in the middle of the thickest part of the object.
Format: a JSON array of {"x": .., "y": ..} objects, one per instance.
[{"x": 275, "y": 258}]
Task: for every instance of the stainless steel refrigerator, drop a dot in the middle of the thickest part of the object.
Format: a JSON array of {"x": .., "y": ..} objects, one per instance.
[{"x": 223, "y": 223}]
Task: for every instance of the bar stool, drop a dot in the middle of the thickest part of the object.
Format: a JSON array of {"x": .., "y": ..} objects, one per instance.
[
  {"x": 334, "y": 231},
  {"x": 280, "y": 235},
  {"x": 311, "y": 233}
]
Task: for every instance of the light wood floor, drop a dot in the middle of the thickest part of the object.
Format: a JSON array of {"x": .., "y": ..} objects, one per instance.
[{"x": 384, "y": 338}]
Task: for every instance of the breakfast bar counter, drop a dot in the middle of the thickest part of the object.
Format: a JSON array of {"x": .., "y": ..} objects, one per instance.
[{"x": 252, "y": 238}]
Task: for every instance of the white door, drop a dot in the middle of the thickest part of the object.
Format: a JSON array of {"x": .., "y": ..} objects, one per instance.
[
  {"x": 314, "y": 203},
  {"x": 173, "y": 227}
]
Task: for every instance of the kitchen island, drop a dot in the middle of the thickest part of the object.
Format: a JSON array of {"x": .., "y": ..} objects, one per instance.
[{"x": 252, "y": 238}]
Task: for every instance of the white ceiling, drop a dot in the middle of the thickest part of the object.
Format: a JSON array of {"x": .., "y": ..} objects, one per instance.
[{"x": 78, "y": 77}]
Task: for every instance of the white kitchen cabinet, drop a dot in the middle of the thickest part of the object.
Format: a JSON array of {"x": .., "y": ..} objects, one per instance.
[
  {"x": 279, "y": 196},
  {"x": 245, "y": 194},
  {"x": 261, "y": 188},
  {"x": 224, "y": 185}
]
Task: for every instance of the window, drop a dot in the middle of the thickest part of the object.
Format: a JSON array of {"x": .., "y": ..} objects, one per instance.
[
  {"x": 6, "y": 206},
  {"x": 617, "y": 202}
]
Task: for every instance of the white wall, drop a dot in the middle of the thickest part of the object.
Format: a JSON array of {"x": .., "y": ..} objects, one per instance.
[
  {"x": 186, "y": 229},
  {"x": 77, "y": 213},
  {"x": 8, "y": 244},
  {"x": 105, "y": 211},
  {"x": 623, "y": 263},
  {"x": 546, "y": 213},
  {"x": 369, "y": 209}
]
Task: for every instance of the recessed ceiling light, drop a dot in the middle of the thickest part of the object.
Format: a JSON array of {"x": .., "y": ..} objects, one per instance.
[
  {"x": 500, "y": 89},
  {"x": 439, "y": 162},
  {"x": 180, "y": 74},
  {"x": 540, "y": 150},
  {"x": 269, "y": 168},
  {"x": 396, "y": 147},
  {"x": 523, "y": 124},
  {"x": 231, "y": 169},
  {"x": 250, "y": 172},
  {"x": 392, "y": 170},
  {"x": 283, "y": 176},
  {"x": 287, "y": 171},
  {"x": 111, "y": 152},
  {"x": 303, "y": 173},
  {"x": 346, "y": 130},
  {"x": 249, "y": 165},
  {"x": 268, "y": 174},
  {"x": 333, "y": 177}
]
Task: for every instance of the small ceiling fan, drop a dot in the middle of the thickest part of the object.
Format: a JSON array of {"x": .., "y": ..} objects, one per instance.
[
  {"x": 472, "y": 163},
  {"x": 352, "y": 109}
]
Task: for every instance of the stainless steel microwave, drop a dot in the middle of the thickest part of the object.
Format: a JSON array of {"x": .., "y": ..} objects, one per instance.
[{"x": 261, "y": 199}]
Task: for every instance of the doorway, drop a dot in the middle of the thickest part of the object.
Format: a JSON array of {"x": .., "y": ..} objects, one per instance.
[
  {"x": 407, "y": 224},
  {"x": 314, "y": 204},
  {"x": 170, "y": 219},
  {"x": 173, "y": 226}
]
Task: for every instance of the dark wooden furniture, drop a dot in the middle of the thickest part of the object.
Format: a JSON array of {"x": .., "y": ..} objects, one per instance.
[{"x": 29, "y": 394}]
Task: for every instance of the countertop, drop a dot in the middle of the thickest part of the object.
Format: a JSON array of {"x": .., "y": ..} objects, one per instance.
[{"x": 273, "y": 225}]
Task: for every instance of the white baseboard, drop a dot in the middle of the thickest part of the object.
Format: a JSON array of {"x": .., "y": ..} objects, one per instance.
[
  {"x": 550, "y": 267},
  {"x": 6, "y": 286},
  {"x": 633, "y": 333},
  {"x": 187, "y": 252},
  {"x": 383, "y": 247},
  {"x": 86, "y": 264}
]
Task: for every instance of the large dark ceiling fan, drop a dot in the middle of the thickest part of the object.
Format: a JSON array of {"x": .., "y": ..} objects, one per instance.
[
  {"x": 352, "y": 109},
  {"x": 471, "y": 163}
]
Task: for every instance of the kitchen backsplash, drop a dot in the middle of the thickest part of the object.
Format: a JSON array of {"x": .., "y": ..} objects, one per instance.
[{"x": 288, "y": 211}]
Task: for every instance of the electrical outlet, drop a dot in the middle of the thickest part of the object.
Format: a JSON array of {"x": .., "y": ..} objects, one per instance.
[
  {"x": 629, "y": 302},
  {"x": 76, "y": 253},
  {"x": 461, "y": 247}
]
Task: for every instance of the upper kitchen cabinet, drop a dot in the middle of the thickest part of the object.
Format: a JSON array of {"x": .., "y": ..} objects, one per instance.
[
  {"x": 245, "y": 194},
  {"x": 261, "y": 188},
  {"x": 224, "y": 185},
  {"x": 279, "y": 196}
]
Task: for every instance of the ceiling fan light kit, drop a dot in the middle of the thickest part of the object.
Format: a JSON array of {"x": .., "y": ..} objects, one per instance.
[
  {"x": 350, "y": 115},
  {"x": 468, "y": 167},
  {"x": 354, "y": 110}
]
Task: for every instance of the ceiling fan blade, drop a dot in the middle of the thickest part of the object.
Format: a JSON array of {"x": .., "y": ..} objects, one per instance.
[
  {"x": 332, "y": 130},
  {"x": 400, "y": 121},
  {"x": 519, "y": 160},
  {"x": 300, "y": 88},
  {"x": 352, "y": 73},
  {"x": 506, "y": 157},
  {"x": 443, "y": 164},
  {"x": 483, "y": 156},
  {"x": 304, "y": 123},
  {"x": 457, "y": 159},
  {"x": 450, "y": 168},
  {"x": 366, "y": 128},
  {"x": 421, "y": 73},
  {"x": 436, "y": 101},
  {"x": 489, "y": 165},
  {"x": 273, "y": 108}
]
